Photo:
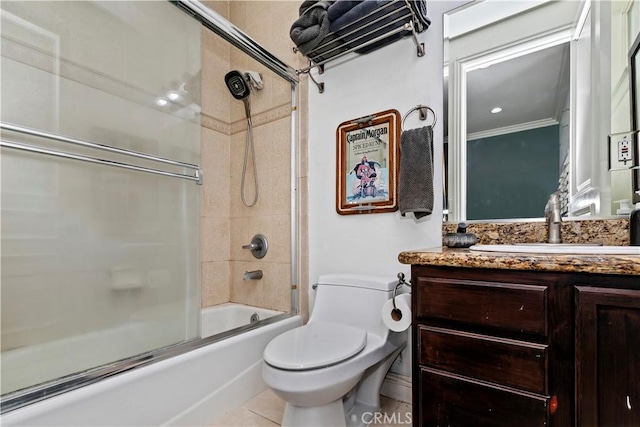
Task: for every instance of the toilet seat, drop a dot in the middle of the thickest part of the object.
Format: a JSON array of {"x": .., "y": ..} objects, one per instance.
[{"x": 315, "y": 345}]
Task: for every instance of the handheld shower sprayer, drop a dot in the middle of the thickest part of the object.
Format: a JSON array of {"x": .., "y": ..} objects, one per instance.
[
  {"x": 239, "y": 85},
  {"x": 239, "y": 89}
]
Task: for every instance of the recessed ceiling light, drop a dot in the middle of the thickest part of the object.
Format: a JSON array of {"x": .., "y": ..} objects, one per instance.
[
  {"x": 173, "y": 95},
  {"x": 496, "y": 110},
  {"x": 161, "y": 102}
]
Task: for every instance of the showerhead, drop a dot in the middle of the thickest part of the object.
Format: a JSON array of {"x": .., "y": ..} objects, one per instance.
[{"x": 237, "y": 85}]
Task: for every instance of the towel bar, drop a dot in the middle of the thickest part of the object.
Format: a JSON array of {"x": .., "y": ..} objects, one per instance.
[
  {"x": 6, "y": 143},
  {"x": 423, "y": 114}
]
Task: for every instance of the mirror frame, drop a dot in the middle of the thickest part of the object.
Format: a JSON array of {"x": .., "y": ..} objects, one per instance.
[{"x": 635, "y": 112}]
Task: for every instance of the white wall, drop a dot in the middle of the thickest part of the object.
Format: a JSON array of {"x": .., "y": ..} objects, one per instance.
[
  {"x": 391, "y": 77},
  {"x": 622, "y": 37}
]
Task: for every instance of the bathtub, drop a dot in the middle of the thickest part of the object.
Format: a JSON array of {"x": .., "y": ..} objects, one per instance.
[
  {"x": 224, "y": 317},
  {"x": 193, "y": 388}
]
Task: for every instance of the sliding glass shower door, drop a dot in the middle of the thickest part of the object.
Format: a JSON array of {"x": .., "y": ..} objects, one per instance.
[{"x": 100, "y": 194}]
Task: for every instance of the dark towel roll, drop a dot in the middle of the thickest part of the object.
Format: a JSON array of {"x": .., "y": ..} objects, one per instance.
[
  {"x": 420, "y": 9},
  {"x": 345, "y": 22},
  {"x": 312, "y": 27},
  {"x": 415, "y": 184},
  {"x": 346, "y": 16},
  {"x": 340, "y": 7}
]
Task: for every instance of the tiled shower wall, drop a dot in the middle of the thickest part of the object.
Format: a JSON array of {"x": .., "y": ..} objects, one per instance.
[{"x": 226, "y": 223}]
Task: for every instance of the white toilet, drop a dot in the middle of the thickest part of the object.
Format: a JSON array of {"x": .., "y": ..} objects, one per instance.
[{"x": 330, "y": 370}]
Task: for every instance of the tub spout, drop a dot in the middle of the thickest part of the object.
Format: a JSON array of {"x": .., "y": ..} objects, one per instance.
[{"x": 252, "y": 275}]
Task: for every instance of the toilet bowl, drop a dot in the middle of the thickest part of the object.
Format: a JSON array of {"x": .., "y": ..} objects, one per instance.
[{"x": 329, "y": 371}]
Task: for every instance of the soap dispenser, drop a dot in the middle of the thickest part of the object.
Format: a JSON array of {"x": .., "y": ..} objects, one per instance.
[
  {"x": 634, "y": 226},
  {"x": 460, "y": 239}
]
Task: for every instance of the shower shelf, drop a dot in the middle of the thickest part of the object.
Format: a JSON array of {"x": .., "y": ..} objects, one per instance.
[{"x": 334, "y": 47}]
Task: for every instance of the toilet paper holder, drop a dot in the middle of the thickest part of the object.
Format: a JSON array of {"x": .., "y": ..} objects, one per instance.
[
  {"x": 401, "y": 280},
  {"x": 396, "y": 314}
]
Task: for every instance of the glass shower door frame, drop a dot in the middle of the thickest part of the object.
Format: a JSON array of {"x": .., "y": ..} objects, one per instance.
[{"x": 242, "y": 41}]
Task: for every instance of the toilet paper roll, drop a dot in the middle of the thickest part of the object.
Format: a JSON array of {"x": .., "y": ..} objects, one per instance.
[{"x": 403, "y": 303}]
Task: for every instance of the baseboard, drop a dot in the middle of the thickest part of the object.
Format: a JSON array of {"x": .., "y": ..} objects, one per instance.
[{"x": 397, "y": 387}]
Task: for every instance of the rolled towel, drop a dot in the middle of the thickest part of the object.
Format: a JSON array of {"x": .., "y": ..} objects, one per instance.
[
  {"x": 345, "y": 22},
  {"x": 420, "y": 9},
  {"x": 340, "y": 7},
  {"x": 415, "y": 185},
  {"x": 344, "y": 14},
  {"x": 312, "y": 27}
]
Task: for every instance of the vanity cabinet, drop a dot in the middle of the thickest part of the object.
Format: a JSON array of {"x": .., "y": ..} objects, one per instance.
[
  {"x": 608, "y": 356},
  {"x": 499, "y": 347}
]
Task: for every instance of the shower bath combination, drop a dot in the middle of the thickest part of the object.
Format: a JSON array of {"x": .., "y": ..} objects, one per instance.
[{"x": 239, "y": 85}]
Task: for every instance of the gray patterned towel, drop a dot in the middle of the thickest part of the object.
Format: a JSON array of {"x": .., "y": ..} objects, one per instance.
[
  {"x": 312, "y": 27},
  {"x": 415, "y": 185}
]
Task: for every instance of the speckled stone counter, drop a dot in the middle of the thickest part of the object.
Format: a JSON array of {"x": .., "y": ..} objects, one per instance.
[
  {"x": 568, "y": 263},
  {"x": 613, "y": 232}
]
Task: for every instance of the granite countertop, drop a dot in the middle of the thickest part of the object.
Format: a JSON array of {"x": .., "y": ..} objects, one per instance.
[{"x": 569, "y": 263}]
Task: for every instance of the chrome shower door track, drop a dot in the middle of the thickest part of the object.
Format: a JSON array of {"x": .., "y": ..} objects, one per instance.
[{"x": 24, "y": 397}]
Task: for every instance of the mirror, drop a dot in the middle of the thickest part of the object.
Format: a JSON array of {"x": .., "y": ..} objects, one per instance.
[{"x": 532, "y": 91}]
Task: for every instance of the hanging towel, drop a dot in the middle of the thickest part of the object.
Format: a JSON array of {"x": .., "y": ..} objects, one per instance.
[
  {"x": 312, "y": 27},
  {"x": 415, "y": 185}
]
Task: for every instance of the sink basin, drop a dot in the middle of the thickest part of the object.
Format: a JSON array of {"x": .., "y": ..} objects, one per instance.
[{"x": 561, "y": 248}]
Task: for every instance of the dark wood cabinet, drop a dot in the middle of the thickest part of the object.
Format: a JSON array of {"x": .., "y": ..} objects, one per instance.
[
  {"x": 608, "y": 356},
  {"x": 523, "y": 348},
  {"x": 453, "y": 400}
]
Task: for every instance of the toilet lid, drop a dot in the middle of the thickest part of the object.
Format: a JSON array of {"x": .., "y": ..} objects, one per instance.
[{"x": 315, "y": 345}]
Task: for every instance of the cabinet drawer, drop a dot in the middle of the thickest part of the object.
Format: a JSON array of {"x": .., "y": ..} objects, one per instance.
[
  {"x": 508, "y": 306},
  {"x": 448, "y": 400},
  {"x": 506, "y": 362}
]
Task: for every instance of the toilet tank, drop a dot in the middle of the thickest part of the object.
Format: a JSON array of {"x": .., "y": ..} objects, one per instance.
[{"x": 354, "y": 300}]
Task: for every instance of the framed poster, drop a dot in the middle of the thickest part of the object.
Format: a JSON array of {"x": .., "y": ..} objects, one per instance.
[{"x": 367, "y": 164}]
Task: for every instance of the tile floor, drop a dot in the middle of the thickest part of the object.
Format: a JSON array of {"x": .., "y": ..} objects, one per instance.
[{"x": 266, "y": 410}]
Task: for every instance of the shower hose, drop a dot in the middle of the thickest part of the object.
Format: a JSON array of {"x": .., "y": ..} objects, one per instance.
[{"x": 249, "y": 145}]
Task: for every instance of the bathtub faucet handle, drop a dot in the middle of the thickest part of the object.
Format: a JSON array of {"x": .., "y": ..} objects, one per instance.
[{"x": 258, "y": 246}]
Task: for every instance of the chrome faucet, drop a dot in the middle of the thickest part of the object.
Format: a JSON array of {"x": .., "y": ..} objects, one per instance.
[
  {"x": 252, "y": 275},
  {"x": 553, "y": 217}
]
